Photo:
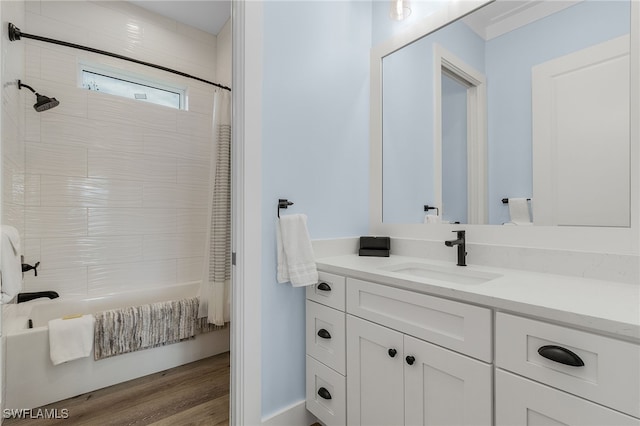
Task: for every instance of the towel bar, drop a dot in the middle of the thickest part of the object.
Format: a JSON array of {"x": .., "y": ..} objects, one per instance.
[
  {"x": 428, "y": 207},
  {"x": 506, "y": 200},
  {"x": 283, "y": 203}
]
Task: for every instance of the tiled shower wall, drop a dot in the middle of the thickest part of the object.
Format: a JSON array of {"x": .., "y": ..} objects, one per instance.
[{"x": 115, "y": 189}]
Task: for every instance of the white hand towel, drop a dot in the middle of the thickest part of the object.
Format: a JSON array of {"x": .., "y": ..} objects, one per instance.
[
  {"x": 432, "y": 218},
  {"x": 296, "y": 262},
  {"x": 10, "y": 263},
  {"x": 70, "y": 339},
  {"x": 519, "y": 211}
]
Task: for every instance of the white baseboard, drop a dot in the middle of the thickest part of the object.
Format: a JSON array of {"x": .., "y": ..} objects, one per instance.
[{"x": 294, "y": 415}]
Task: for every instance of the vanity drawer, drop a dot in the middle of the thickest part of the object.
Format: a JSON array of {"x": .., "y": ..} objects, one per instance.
[
  {"x": 520, "y": 401},
  {"x": 326, "y": 335},
  {"x": 329, "y": 290},
  {"x": 458, "y": 326},
  {"x": 610, "y": 374},
  {"x": 326, "y": 393}
]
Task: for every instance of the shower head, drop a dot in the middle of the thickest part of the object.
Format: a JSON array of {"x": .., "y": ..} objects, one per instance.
[{"x": 43, "y": 103}]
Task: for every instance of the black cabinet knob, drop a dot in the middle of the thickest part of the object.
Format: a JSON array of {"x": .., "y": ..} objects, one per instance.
[
  {"x": 410, "y": 360},
  {"x": 324, "y": 334},
  {"x": 324, "y": 393},
  {"x": 561, "y": 355},
  {"x": 392, "y": 353},
  {"x": 324, "y": 287}
]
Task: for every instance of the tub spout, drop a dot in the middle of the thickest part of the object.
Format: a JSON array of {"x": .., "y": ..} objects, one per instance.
[{"x": 25, "y": 297}]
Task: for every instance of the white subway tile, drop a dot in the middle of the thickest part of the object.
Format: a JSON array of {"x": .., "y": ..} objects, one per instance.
[
  {"x": 175, "y": 195},
  {"x": 66, "y": 281},
  {"x": 33, "y": 120},
  {"x": 189, "y": 269},
  {"x": 59, "y": 67},
  {"x": 48, "y": 222},
  {"x": 194, "y": 124},
  {"x": 126, "y": 112},
  {"x": 192, "y": 220},
  {"x": 43, "y": 24},
  {"x": 31, "y": 250},
  {"x": 173, "y": 246},
  {"x": 200, "y": 98},
  {"x": 191, "y": 171},
  {"x": 139, "y": 221},
  {"x": 32, "y": 59},
  {"x": 89, "y": 251},
  {"x": 87, "y": 192},
  {"x": 56, "y": 160},
  {"x": 130, "y": 276},
  {"x": 32, "y": 190},
  {"x": 116, "y": 165},
  {"x": 176, "y": 145}
]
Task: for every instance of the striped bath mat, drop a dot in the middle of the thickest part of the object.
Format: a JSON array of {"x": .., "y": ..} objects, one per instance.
[{"x": 123, "y": 330}]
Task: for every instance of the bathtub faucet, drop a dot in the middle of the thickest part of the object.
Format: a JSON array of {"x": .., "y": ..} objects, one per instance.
[
  {"x": 25, "y": 297},
  {"x": 26, "y": 267}
]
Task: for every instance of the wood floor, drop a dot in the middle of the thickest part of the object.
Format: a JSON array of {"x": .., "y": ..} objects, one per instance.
[{"x": 193, "y": 394}]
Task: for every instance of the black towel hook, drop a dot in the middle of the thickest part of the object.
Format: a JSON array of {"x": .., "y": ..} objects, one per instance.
[{"x": 283, "y": 203}]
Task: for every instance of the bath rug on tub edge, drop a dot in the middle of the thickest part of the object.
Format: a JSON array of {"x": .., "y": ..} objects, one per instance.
[{"x": 124, "y": 330}]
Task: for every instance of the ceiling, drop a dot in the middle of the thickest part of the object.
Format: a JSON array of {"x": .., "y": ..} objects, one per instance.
[{"x": 206, "y": 15}]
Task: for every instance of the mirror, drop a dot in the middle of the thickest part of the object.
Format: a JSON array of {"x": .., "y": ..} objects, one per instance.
[{"x": 526, "y": 102}]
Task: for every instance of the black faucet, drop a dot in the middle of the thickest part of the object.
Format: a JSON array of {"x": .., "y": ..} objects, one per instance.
[
  {"x": 25, "y": 297},
  {"x": 462, "y": 247}
]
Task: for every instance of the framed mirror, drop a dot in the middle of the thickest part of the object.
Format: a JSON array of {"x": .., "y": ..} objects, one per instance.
[{"x": 516, "y": 112}]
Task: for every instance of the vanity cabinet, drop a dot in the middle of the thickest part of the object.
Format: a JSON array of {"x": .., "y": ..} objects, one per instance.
[
  {"x": 395, "y": 379},
  {"x": 551, "y": 374},
  {"x": 386, "y": 356},
  {"x": 325, "y": 348}
]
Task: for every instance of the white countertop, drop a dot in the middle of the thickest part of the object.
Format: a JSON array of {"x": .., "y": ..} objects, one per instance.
[{"x": 606, "y": 307}]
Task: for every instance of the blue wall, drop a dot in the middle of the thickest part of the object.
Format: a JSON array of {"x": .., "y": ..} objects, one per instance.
[{"x": 315, "y": 153}]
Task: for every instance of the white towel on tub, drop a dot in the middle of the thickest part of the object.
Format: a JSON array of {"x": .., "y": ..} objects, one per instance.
[
  {"x": 10, "y": 263},
  {"x": 70, "y": 339},
  {"x": 296, "y": 261}
]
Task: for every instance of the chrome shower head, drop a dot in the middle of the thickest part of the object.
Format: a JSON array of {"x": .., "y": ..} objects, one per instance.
[{"x": 43, "y": 103}]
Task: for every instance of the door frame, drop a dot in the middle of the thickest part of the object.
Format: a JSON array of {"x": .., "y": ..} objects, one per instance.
[{"x": 477, "y": 181}]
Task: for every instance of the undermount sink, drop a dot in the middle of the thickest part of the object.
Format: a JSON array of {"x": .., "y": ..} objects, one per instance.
[{"x": 453, "y": 274}]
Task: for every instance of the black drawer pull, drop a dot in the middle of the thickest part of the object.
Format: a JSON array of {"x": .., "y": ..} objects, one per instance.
[
  {"x": 324, "y": 334},
  {"x": 392, "y": 353},
  {"x": 561, "y": 355},
  {"x": 410, "y": 359},
  {"x": 324, "y": 393},
  {"x": 324, "y": 287}
]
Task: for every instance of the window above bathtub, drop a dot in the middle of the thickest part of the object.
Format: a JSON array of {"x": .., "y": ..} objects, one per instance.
[{"x": 122, "y": 83}]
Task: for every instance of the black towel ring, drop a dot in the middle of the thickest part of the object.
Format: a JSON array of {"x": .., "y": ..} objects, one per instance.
[{"x": 283, "y": 203}]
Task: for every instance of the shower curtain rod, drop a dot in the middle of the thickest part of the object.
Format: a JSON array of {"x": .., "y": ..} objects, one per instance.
[{"x": 16, "y": 34}]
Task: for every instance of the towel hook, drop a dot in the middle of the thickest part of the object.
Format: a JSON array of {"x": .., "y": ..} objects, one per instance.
[{"x": 283, "y": 203}]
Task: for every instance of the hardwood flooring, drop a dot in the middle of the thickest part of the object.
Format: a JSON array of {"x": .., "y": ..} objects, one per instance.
[{"x": 193, "y": 394}]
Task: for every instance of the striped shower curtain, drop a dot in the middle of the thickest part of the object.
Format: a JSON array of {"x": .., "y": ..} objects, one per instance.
[{"x": 215, "y": 291}]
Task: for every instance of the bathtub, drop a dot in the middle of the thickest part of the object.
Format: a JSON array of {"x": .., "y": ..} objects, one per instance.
[{"x": 31, "y": 378}]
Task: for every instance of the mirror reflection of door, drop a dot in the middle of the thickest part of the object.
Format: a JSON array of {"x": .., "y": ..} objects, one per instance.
[
  {"x": 460, "y": 152},
  {"x": 454, "y": 148},
  {"x": 581, "y": 137}
]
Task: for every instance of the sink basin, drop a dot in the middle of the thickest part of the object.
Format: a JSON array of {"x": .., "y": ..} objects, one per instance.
[{"x": 453, "y": 274}]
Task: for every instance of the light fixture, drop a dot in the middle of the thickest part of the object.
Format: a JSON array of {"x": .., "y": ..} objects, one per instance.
[{"x": 399, "y": 10}]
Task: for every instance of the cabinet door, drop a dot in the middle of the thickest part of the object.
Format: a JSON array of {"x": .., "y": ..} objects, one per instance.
[
  {"x": 520, "y": 401},
  {"x": 445, "y": 388},
  {"x": 375, "y": 389}
]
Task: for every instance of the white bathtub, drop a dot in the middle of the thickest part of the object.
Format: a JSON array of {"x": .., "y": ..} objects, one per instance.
[{"x": 31, "y": 378}]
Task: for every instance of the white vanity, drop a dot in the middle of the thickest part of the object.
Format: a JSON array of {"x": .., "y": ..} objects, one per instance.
[{"x": 400, "y": 340}]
